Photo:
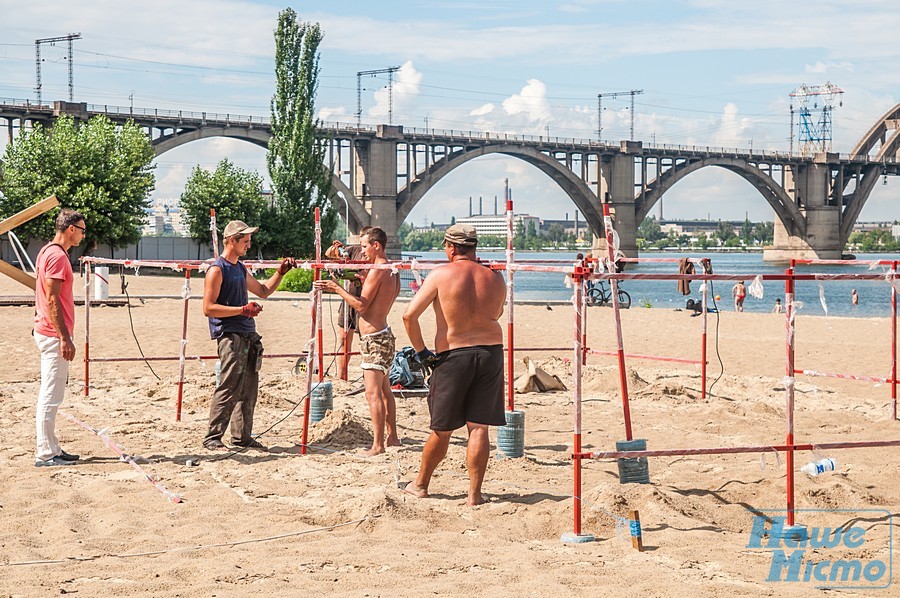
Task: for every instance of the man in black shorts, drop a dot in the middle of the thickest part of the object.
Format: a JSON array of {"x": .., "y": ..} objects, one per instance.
[
  {"x": 466, "y": 388},
  {"x": 354, "y": 253}
]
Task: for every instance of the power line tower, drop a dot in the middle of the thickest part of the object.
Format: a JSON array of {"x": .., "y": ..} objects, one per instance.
[
  {"x": 390, "y": 73},
  {"x": 615, "y": 94},
  {"x": 37, "y": 62},
  {"x": 814, "y": 131}
]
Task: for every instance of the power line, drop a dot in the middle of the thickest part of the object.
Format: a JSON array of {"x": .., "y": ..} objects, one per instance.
[{"x": 37, "y": 59}]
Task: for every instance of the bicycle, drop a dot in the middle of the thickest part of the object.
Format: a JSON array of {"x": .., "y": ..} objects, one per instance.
[{"x": 601, "y": 294}]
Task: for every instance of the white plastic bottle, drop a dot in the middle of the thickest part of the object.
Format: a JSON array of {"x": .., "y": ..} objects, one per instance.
[
  {"x": 814, "y": 468},
  {"x": 218, "y": 372}
]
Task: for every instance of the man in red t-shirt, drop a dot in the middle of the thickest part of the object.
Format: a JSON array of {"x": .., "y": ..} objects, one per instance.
[{"x": 54, "y": 324}]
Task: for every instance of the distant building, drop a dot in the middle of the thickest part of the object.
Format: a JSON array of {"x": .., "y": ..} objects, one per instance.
[{"x": 496, "y": 224}]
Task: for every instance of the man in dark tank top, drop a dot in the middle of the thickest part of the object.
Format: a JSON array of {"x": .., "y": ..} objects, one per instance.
[{"x": 232, "y": 325}]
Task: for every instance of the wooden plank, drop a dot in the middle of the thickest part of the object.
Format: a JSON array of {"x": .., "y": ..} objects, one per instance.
[
  {"x": 17, "y": 275},
  {"x": 28, "y": 213}
]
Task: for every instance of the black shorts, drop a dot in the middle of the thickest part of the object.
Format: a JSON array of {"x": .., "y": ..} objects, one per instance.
[
  {"x": 351, "y": 322},
  {"x": 467, "y": 386}
]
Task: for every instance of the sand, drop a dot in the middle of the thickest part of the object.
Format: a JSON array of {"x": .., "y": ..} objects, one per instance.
[{"x": 332, "y": 522}]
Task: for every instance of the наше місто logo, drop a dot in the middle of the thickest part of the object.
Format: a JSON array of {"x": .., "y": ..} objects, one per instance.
[{"x": 836, "y": 548}]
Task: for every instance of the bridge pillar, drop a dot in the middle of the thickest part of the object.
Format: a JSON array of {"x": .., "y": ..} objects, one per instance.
[
  {"x": 375, "y": 181},
  {"x": 810, "y": 186},
  {"x": 616, "y": 187}
]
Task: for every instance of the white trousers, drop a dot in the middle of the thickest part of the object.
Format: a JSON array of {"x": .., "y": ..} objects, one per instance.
[{"x": 54, "y": 375}]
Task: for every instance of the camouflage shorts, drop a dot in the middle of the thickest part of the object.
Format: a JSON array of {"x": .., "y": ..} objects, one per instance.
[{"x": 377, "y": 350}]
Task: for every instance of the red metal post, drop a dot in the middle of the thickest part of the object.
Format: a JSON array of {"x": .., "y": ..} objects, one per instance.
[
  {"x": 705, "y": 295},
  {"x": 184, "y": 324},
  {"x": 87, "y": 327},
  {"x": 576, "y": 394},
  {"x": 510, "y": 307},
  {"x": 614, "y": 286},
  {"x": 319, "y": 334},
  {"x": 789, "y": 390},
  {"x": 893, "y": 341}
]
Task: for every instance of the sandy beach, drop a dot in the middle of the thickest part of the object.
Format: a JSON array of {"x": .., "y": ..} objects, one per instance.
[{"x": 332, "y": 522}]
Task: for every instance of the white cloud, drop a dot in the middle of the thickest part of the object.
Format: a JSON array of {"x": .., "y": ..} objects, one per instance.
[
  {"x": 531, "y": 101},
  {"x": 482, "y": 110},
  {"x": 405, "y": 88}
]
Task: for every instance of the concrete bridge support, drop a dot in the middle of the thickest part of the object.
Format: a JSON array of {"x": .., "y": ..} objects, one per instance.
[
  {"x": 616, "y": 187},
  {"x": 375, "y": 181},
  {"x": 810, "y": 186}
]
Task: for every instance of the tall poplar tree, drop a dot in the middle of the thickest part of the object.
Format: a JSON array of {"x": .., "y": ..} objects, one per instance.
[{"x": 300, "y": 180}]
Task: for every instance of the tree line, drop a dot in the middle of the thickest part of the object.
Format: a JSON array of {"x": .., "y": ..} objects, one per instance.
[
  {"x": 105, "y": 171},
  {"x": 526, "y": 238},
  {"x": 752, "y": 234}
]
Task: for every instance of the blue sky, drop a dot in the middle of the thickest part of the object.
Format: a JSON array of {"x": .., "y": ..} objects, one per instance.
[{"x": 713, "y": 72}]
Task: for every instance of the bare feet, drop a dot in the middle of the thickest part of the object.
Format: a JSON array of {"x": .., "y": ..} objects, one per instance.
[
  {"x": 413, "y": 489},
  {"x": 394, "y": 441},
  {"x": 476, "y": 500},
  {"x": 375, "y": 450}
]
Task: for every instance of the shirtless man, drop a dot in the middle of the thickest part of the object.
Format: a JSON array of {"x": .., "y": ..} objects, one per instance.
[
  {"x": 467, "y": 383},
  {"x": 739, "y": 292},
  {"x": 376, "y": 341}
]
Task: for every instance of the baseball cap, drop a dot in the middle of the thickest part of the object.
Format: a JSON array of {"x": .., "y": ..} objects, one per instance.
[
  {"x": 462, "y": 234},
  {"x": 236, "y": 227}
]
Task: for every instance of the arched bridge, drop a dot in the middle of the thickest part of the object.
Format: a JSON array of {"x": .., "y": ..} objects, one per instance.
[{"x": 383, "y": 172}]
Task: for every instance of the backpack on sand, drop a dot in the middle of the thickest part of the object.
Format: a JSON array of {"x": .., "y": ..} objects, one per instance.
[{"x": 406, "y": 369}]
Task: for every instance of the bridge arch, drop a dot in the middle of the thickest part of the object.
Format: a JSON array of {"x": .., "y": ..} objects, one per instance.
[
  {"x": 572, "y": 185},
  {"x": 783, "y": 205},
  {"x": 889, "y": 148},
  {"x": 358, "y": 214}
]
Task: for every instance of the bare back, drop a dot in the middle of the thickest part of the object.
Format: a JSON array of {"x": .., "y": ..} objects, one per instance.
[
  {"x": 379, "y": 292},
  {"x": 468, "y": 301}
]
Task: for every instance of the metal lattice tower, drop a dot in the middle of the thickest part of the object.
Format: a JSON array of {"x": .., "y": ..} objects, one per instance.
[
  {"x": 814, "y": 130},
  {"x": 615, "y": 94},
  {"x": 37, "y": 60},
  {"x": 390, "y": 73}
]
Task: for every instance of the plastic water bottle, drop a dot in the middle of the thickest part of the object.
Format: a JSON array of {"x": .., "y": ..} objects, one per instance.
[
  {"x": 218, "y": 372},
  {"x": 814, "y": 468}
]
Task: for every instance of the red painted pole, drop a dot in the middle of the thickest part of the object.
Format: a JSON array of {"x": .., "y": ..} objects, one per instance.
[
  {"x": 184, "y": 324},
  {"x": 319, "y": 334},
  {"x": 614, "y": 286},
  {"x": 510, "y": 307},
  {"x": 576, "y": 393},
  {"x": 893, "y": 341},
  {"x": 703, "y": 343},
  {"x": 87, "y": 327},
  {"x": 789, "y": 391}
]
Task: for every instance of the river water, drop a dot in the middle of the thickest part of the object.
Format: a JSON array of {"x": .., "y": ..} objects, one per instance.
[{"x": 874, "y": 296}]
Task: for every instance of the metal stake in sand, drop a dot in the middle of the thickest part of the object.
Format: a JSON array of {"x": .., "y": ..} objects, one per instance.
[
  {"x": 186, "y": 294},
  {"x": 576, "y": 536},
  {"x": 214, "y": 232},
  {"x": 511, "y": 437},
  {"x": 319, "y": 334},
  {"x": 791, "y": 530},
  {"x": 315, "y": 338},
  {"x": 705, "y": 299},
  {"x": 893, "y": 341},
  {"x": 614, "y": 286},
  {"x": 87, "y": 327}
]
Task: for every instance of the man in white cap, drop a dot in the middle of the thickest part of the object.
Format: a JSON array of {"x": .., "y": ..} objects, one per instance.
[
  {"x": 231, "y": 325},
  {"x": 466, "y": 386}
]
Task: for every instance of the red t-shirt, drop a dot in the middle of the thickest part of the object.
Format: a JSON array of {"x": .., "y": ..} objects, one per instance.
[{"x": 53, "y": 262}]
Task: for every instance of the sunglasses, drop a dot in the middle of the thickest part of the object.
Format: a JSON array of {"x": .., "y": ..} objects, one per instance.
[{"x": 81, "y": 228}]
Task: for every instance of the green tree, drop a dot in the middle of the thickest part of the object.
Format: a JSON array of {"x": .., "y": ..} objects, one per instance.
[
  {"x": 295, "y": 160},
  {"x": 764, "y": 233},
  {"x": 724, "y": 231},
  {"x": 556, "y": 233},
  {"x": 650, "y": 230},
  {"x": 234, "y": 193},
  {"x": 95, "y": 167},
  {"x": 747, "y": 231}
]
